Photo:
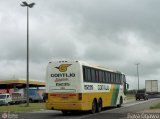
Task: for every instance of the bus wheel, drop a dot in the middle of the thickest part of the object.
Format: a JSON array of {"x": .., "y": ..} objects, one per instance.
[
  {"x": 94, "y": 106},
  {"x": 64, "y": 112},
  {"x": 99, "y": 107}
]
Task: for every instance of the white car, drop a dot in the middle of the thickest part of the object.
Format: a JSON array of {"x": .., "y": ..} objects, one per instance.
[{"x": 5, "y": 99}]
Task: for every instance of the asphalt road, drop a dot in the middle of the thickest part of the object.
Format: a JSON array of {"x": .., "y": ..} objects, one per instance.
[{"x": 107, "y": 113}]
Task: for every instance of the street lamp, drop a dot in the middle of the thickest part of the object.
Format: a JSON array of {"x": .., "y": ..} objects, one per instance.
[
  {"x": 138, "y": 74},
  {"x": 25, "y": 4}
]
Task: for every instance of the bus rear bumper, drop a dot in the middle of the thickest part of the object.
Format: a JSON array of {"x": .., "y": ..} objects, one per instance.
[{"x": 68, "y": 106}]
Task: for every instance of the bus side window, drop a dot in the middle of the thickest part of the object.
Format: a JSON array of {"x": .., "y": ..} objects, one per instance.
[
  {"x": 112, "y": 81},
  {"x": 113, "y": 78},
  {"x": 93, "y": 76},
  {"x": 97, "y": 77},
  {"x": 107, "y": 77},
  {"x": 117, "y": 78},
  {"x": 100, "y": 76},
  {"x": 120, "y": 79},
  {"x": 103, "y": 77},
  {"x": 88, "y": 75},
  {"x": 84, "y": 74}
]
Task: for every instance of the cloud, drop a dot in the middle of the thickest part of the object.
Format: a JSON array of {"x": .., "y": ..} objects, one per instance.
[{"x": 116, "y": 34}]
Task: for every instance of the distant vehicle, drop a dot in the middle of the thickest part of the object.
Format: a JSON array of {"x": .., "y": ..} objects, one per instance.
[
  {"x": 141, "y": 94},
  {"x": 152, "y": 87},
  {"x": 77, "y": 85},
  {"x": 5, "y": 99},
  {"x": 13, "y": 98},
  {"x": 18, "y": 97},
  {"x": 35, "y": 95}
]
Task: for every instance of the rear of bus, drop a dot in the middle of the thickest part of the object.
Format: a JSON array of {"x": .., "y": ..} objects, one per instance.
[{"x": 63, "y": 85}]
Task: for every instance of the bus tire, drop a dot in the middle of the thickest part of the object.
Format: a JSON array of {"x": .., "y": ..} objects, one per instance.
[
  {"x": 99, "y": 105},
  {"x": 64, "y": 112},
  {"x": 94, "y": 106}
]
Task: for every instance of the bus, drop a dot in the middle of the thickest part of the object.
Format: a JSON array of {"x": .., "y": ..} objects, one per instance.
[{"x": 77, "y": 85}]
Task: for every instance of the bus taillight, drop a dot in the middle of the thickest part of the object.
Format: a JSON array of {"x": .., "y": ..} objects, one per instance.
[{"x": 80, "y": 96}]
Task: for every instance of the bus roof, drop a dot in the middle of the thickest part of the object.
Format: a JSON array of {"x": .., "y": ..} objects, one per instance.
[{"x": 89, "y": 65}]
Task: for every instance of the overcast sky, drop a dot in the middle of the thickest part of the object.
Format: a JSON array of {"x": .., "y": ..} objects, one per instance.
[{"x": 113, "y": 33}]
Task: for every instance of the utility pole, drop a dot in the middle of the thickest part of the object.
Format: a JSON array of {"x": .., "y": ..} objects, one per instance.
[{"x": 138, "y": 74}]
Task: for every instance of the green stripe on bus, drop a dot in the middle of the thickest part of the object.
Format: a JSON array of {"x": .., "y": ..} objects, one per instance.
[{"x": 115, "y": 95}]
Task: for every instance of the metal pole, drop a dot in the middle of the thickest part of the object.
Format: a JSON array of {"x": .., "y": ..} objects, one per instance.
[
  {"x": 25, "y": 4},
  {"x": 27, "y": 56},
  {"x": 138, "y": 75}
]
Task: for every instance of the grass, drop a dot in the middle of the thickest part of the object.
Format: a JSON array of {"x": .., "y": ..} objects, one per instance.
[
  {"x": 157, "y": 106},
  {"x": 23, "y": 107},
  {"x": 130, "y": 96}
]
